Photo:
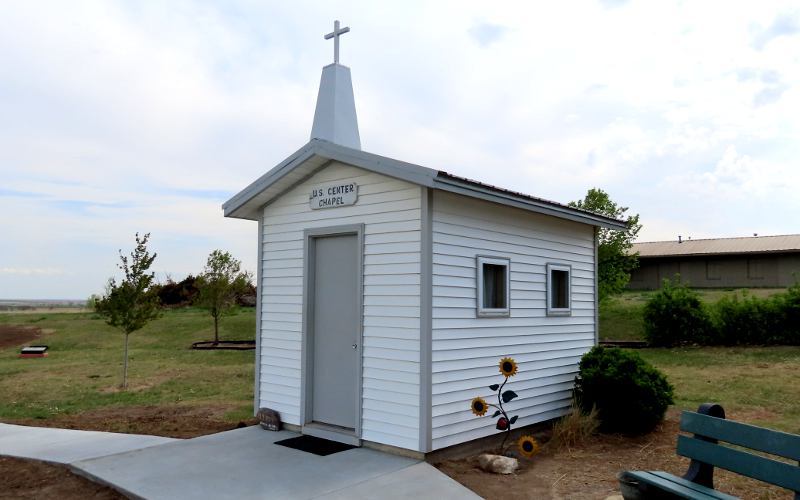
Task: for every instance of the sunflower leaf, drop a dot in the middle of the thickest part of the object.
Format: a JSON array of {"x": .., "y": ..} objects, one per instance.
[
  {"x": 494, "y": 387},
  {"x": 496, "y": 413},
  {"x": 508, "y": 396},
  {"x": 513, "y": 419}
]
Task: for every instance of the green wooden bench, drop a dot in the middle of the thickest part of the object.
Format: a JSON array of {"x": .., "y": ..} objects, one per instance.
[{"x": 709, "y": 427}]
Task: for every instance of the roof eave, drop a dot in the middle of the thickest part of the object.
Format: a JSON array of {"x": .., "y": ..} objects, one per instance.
[
  {"x": 560, "y": 211},
  {"x": 244, "y": 205},
  {"x": 241, "y": 205}
]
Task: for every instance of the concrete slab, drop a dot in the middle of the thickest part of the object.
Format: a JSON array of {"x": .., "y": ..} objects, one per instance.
[
  {"x": 245, "y": 463},
  {"x": 418, "y": 481},
  {"x": 65, "y": 446}
]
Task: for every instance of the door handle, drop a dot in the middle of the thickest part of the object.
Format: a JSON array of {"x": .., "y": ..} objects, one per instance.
[{"x": 355, "y": 346}]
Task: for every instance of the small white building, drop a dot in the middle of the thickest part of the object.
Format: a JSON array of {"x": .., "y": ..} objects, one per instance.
[{"x": 388, "y": 292}]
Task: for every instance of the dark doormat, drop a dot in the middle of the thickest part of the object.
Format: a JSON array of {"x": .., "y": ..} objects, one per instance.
[{"x": 315, "y": 445}]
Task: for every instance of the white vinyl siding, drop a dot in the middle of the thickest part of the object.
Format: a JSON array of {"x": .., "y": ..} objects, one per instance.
[
  {"x": 467, "y": 350},
  {"x": 390, "y": 212}
]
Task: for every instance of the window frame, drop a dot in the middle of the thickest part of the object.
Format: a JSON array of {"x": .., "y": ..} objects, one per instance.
[
  {"x": 487, "y": 312},
  {"x": 559, "y": 311},
  {"x": 715, "y": 266}
]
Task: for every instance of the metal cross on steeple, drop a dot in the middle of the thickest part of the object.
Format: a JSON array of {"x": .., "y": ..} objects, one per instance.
[{"x": 335, "y": 35}]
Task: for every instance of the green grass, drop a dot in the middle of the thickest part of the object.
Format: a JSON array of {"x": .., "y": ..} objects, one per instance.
[
  {"x": 754, "y": 384},
  {"x": 83, "y": 369},
  {"x": 621, "y": 316}
]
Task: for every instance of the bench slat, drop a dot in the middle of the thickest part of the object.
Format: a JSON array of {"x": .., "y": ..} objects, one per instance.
[
  {"x": 746, "y": 464},
  {"x": 669, "y": 484},
  {"x": 699, "y": 488},
  {"x": 748, "y": 436}
]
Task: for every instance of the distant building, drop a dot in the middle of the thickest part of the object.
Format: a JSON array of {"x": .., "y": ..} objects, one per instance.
[{"x": 758, "y": 261}]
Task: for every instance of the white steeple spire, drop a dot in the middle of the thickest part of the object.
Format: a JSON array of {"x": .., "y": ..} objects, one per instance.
[{"x": 335, "y": 117}]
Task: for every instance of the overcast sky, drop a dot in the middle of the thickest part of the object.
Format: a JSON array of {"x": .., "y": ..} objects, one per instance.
[{"x": 118, "y": 117}]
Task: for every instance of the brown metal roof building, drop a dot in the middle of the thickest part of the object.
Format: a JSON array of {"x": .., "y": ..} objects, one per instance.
[{"x": 758, "y": 261}]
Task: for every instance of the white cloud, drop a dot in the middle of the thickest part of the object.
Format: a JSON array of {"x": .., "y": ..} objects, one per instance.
[{"x": 121, "y": 117}]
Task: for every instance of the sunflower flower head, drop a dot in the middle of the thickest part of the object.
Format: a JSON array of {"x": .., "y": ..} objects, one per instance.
[
  {"x": 479, "y": 407},
  {"x": 508, "y": 367},
  {"x": 528, "y": 446}
]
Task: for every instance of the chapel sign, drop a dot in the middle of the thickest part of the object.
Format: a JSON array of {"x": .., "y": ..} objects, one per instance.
[{"x": 334, "y": 195}]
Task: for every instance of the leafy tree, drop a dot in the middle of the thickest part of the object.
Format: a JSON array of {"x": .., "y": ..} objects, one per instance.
[
  {"x": 132, "y": 303},
  {"x": 614, "y": 260},
  {"x": 178, "y": 293},
  {"x": 219, "y": 286}
]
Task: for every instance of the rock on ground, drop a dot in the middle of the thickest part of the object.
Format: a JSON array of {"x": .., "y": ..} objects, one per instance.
[{"x": 498, "y": 463}]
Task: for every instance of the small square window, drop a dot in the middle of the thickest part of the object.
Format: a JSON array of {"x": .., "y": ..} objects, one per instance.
[
  {"x": 558, "y": 290},
  {"x": 713, "y": 270},
  {"x": 493, "y": 286},
  {"x": 754, "y": 269}
]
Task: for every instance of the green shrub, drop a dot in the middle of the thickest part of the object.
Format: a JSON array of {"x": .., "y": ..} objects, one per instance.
[
  {"x": 788, "y": 322},
  {"x": 630, "y": 395},
  {"x": 675, "y": 315},
  {"x": 746, "y": 321}
]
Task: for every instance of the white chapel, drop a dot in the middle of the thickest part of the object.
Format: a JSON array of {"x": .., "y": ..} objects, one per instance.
[{"x": 388, "y": 291}]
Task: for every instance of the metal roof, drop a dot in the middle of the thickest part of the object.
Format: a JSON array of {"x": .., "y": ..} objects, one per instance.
[
  {"x": 318, "y": 153},
  {"x": 751, "y": 244}
]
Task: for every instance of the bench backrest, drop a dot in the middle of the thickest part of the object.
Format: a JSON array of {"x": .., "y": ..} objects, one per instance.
[{"x": 755, "y": 438}]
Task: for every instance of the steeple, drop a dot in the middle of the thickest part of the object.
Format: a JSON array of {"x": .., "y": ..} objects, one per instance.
[{"x": 335, "y": 117}]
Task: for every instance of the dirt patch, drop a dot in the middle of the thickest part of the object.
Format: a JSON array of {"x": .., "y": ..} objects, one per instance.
[
  {"x": 31, "y": 479},
  {"x": 14, "y": 335},
  {"x": 177, "y": 421},
  {"x": 589, "y": 471}
]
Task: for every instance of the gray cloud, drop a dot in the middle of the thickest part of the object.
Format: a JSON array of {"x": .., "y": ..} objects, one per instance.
[
  {"x": 784, "y": 24},
  {"x": 769, "y": 94},
  {"x": 486, "y": 33}
]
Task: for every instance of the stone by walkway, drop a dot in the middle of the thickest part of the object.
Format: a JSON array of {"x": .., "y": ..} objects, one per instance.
[{"x": 242, "y": 464}]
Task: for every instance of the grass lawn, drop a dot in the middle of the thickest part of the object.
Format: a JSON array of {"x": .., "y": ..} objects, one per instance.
[
  {"x": 83, "y": 370},
  {"x": 78, "y": 386},
  {"x": 621, "y": 316},
  {"x": 758, "y": 385}
]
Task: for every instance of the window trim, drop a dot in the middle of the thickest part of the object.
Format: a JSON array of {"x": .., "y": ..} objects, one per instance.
[
  {"x": 715, "y": 265},
  {"x": 485, "y": 312},
  {"x": 559, "y": 311}
]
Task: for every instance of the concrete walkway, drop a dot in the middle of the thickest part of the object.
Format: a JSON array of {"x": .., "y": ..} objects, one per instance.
[
  {"x": 65, "y": 446},
  {"x": 242, "y": 464}
]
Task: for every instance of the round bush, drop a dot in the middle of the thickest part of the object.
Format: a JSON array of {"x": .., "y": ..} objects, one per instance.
[
  {"x": 630, "y": 395},
  {"x": 675, "y": 315}
]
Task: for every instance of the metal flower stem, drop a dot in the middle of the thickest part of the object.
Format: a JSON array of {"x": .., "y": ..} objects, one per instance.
[{"x": 505, "y": 415}]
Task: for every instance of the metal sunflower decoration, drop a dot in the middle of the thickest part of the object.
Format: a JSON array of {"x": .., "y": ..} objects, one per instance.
[{"x": 527, "y": 444}]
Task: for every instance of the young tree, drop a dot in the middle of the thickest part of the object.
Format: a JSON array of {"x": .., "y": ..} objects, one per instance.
[
  {"x": 132, "y": 303},
  {"x": 219, "y": 285},
  {"x": 614, "y": 260}
]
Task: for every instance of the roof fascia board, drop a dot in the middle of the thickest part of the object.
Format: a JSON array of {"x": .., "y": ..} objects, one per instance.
[
  {"x": 409, "y": 172},
  {"x": 529, "y": 205},
  {"x": 242, "y": 197},
  {"x": 379, "y": 164},
  {"x": 328, "y": 150}
]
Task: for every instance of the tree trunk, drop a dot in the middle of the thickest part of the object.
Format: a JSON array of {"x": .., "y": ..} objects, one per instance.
[
  {"x": 216, "y": 328},
  {"x": 125, "y": 364}
]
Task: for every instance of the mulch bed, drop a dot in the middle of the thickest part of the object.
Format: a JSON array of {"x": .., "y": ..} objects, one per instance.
[
  {"x": 177, "y": 421},
  {"x": 14, "y": 335},
  {"x": 32, "y": 479},
  {"x": 589, "y": 471},
  {"x": 584, "y": 472}
]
